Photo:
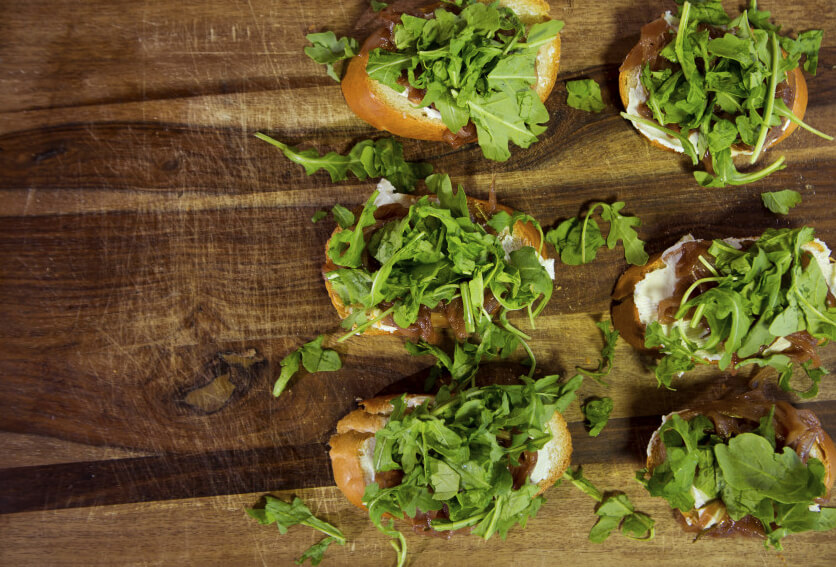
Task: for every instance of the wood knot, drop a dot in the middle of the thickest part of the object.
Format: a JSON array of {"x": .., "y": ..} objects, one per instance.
[{"x": 224, "y": 378}]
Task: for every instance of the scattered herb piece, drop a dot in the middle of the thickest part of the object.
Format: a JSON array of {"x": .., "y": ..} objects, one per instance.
[
  {"x": 780, "y": 202},
  {"x": 378, "y": 6},
  {"x": 312, "y": 356},
  {"x": 318, "y": 216},
  {"x": 746, "y": 472},
  {"x": 378, "y": 158},
  {"x": 577, "y": 241},
  {"x": 615, "y": 511},
  {"x": 771, "y": 290},
  {"x": 597, "y": 413},
  {"x": 607, "y": 354},
  {"x": 286, "y": 515},
  {"x": 475, "y": 65},
  {"x": 343, "y": 216},
  {"x": 716, "y": 80},
  {"x": 584, "y": 94},
  {"x": 327, "y": 50}
]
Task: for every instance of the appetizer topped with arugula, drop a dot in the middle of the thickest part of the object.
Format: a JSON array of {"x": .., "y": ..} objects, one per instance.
[
  {"x": 743, "y": 465},
  {"x": 414, "y": 265},
  {"x": 458, "y": 71},
  {"x": 472, "y": 460},
  {"x": 767, "y": 301},
  {"x": 717, "y": 87}
]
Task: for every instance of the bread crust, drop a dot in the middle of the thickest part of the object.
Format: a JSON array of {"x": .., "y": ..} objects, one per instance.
[
  {"x": 525, "y": 231},
  {"x": 358, "y": 427},
  {"x": 628, "y": 78},
  {"x": 386, "y": 109}
]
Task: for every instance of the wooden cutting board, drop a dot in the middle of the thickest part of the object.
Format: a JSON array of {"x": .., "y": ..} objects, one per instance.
[{"x": 158, "y": 261}]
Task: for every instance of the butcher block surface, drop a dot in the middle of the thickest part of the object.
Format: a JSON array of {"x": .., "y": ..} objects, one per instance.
[{"x": 157, "y": 262}]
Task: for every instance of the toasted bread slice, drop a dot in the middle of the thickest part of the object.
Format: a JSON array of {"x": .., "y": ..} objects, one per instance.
[
  {"x": 386, "y": 109},
  {"x": 633, "y": 93},
  {"x": 523, "y": 234},
  {"x": 800, "y": 428},
  {"x": 352, "y": 448},
  {"x": 626, "y": 294}
]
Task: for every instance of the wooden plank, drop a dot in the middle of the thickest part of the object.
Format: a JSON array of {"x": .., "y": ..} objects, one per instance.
[{"x": 216, "y": 531}]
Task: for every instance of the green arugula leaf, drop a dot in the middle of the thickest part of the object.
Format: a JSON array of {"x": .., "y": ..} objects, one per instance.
[
  {"x": 615, "y": 511},
  {"x": 621, "y": 228},
  {"x": 378, "y": 6},
  {"x": 316, "y": 552},
  {"x": 379, "y": 158},
  {"x": 607, "y": 354},
  {"x": 318, "y": 359},
  {"x": 578, "y": 242},
  {"x": 290, "y": 366},
  {"x": 312, "y": 356},
  {"x": 327, "y": 50},
  {"x": 584, "y": 94},
  {"x": 318, "y": 216},
  {"x": 286, "y": 515},
  {"x": 597, "y": 413},
  {"x": 780, "y": 202},
  {"x": 343, "y": 216}
]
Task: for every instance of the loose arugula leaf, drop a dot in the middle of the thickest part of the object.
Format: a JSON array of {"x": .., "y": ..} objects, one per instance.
[
  {"x": 597, "y": 413},
  {"x": 615, "y": 511},
  {"x": 286, "y": 515},
  {"x": 475, "y": 65},
  {"x": 290, "y": 366},
  {"x": 343, "y": 216},
  {"x": 621, "y": 228},
  {"x": 578, "y": 242},
  {"x": 327, "y": 50},
  {"x": 378, "y": 6},
  {"x": 312, "y": 356},
  {"x": 584, "y": 94},
  {"x": 318, "y": 216},
  {"x": 318, "y": 359},
  {"x": 780, "y": 202},
  {"x": 607, "y": 354},
  {"x": 316, "y": 552},
  {"x": 379, "y": 158}
]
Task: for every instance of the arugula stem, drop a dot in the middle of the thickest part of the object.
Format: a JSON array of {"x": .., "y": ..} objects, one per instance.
[
  {"x": 583, "y": 232},
  {"x": 770, "y": 100},
  {"x": 467, "y": 305},
  {"x": 707, "y": 264},
  {"x": 365, "y": 325},
  {"x": 695, "y": 321},
  {"x": 442, "y": 525},
  {"x": 691, "y": 289},
  {"x": 743, "y": 179},
  {"x": 329, "y": 531},
  {"x": 398, "y": 543},
  {"x": 681, "y": 31},
  {"x": 812, "y": 308},
  {"x": 687, "y": 146},
  {"x": 786, "y": 113}
]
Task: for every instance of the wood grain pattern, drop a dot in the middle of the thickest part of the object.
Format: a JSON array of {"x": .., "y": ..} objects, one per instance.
[{"x": 157, "y": 262}]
